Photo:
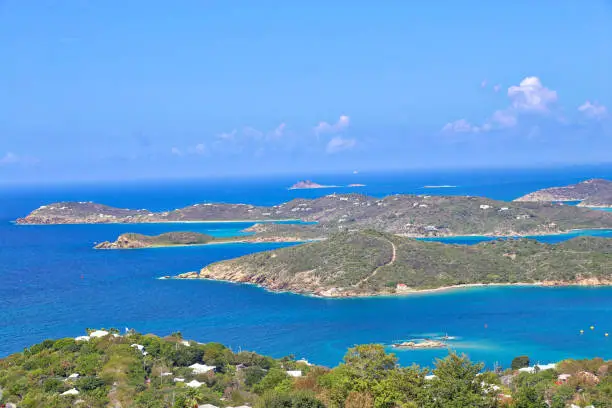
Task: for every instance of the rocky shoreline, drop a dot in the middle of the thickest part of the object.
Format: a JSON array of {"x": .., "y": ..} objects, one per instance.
[
  {"x": 347, "y": 293},
  {"x": 419, "y": 345}
]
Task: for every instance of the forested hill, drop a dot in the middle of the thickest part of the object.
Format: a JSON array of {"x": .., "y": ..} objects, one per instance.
[{"x": 368, "y": 262}]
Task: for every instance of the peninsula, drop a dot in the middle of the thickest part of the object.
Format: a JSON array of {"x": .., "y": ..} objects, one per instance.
[
  {"x": 133, "y": 240},
  {"x": 409, "y": 215},
  {"x": 590, "y": 193},
  {"x": 258, "y": 233},
  {"x": 367, "y": 263}
]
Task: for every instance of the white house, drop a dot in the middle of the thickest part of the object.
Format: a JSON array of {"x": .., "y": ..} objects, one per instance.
[
  {"x": 294, "y": 373},
  {"x": 72, "y": 391},
  {"x": 201, "y": 368},
  {"x": 194, "y": 384},
  {"x": 98, "y": 333}
]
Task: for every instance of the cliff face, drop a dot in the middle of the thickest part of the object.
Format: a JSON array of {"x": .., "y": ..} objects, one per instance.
[
  {"x": 594, "y": 192},
  {"x": 369, "y": 263}
]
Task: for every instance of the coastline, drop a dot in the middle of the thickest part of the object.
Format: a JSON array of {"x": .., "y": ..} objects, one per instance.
[
  {"x": 296, "y": 220},
  {"x": 273, "y": 240},
  {"x": 432, "y": 291},
  {"x": 240, "y": 241}
]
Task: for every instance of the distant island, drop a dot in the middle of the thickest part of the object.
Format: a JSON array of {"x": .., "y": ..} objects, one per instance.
[
  {"x": 409, "y": 215},
  {"x": 133, "y": 240},
  {"x": 275, "y": 233},
  {"x": 356, "y": 185},
  {"x": 589, "y": 193},
  {"x": 306, "y": 184},
  {"x": 368, "y": 263}
]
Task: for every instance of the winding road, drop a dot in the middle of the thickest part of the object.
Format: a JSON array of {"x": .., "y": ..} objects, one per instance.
[{"x": 375, "y": 271}]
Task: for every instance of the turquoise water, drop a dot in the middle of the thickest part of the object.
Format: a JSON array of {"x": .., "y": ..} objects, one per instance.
[{"x": 54, "y": 284}]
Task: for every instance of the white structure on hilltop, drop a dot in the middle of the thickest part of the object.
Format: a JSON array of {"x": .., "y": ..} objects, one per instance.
[
  {"x": 201, "y": 368},
  {"x": 194, "y": 384},
  {"x": 72, "y": 391},
  {"x": 98, "y": 333}
]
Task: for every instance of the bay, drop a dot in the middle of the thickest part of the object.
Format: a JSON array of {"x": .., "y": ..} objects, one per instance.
[{"x": 54, "y": 284}]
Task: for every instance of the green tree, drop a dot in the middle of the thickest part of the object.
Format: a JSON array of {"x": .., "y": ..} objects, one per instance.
[
  {"x": 399, "y": 386},
  {"x": 519, "y": 362},
  {"x": 369, "y": 362},
  {"x": 272, "y": 399},
  {"x": 528, "y": 397},
  {"x": 456, "y": 385},
  {"x": 274, "y": 377}
]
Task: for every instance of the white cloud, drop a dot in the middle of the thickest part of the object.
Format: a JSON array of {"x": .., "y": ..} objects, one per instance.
[
  {"x": 11, "y": 158},
  {"x": 460, "y": 126},
  {"x": 531, "y": 95},
  {"x": 504, "y": 118},
  {"x": 483, "y": 84},
  {"x": 176, "y": 151},
  {"x": 593, "y": 110},
  {"x": 324, "y": 127},
  {"x": 227, "y": 135},
  {"x": 201, "y": 148},
  {"x": 338, "y": 144},
  {"x": 252, "y": 132},
  {"x": 280, "y": 130}
]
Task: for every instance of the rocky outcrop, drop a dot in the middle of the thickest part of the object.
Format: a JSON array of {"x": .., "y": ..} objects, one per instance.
[
  {"x": 418, "y": 345},
  {"x": 305, "y": 184}
]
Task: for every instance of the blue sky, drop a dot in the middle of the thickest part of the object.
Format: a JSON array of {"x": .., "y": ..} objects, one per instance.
[{"x": 111, "y": 89}]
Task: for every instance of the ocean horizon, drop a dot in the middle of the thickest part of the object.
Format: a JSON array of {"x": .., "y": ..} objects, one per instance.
[{"x": 56, "y": 285}]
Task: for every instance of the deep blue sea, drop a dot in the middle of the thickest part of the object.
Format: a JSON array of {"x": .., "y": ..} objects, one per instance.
[{"x": 55, "y": 285}]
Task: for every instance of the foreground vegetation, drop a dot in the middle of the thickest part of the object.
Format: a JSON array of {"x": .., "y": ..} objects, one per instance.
[
  {"x": 137, "y": 370},
  {"x": 369, "y": 262}
]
